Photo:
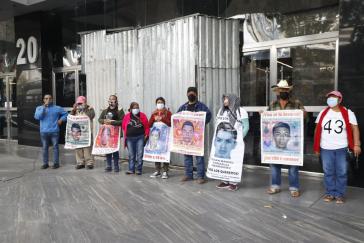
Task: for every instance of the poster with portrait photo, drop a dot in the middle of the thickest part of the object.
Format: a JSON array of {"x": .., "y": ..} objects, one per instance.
[
  {"x": 282, "y": 137},
  {"x": 227, "y": 151},
  {"x": 78, "y": 132},
  {"x": 188, "y": 130},
  {"x": 107, "y": 140},
  {"x": 157, "y": 147}
]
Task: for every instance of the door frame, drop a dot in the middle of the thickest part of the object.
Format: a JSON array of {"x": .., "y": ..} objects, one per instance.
[{"x": 7, "y": 108}]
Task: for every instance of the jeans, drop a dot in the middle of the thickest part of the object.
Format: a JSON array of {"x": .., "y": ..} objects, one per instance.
[
  {"x": 292, "y": 177},
  {"x": 135, "y": 147},
  {"x": 200, "y": 163},
  {"x": 48, "y": 138},
  {"x": 335, "y": 168},
  {"x": 114, "y": 156}
]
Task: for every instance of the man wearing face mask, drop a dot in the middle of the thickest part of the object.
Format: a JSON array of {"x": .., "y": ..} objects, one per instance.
[
  {"x": 161, "y": 114},
  {"x": 112, "y": 116},
  {"x": 284, "y": 102},
  {"x": 51, "y": 117},
  {"x": 83, "y": 155},
  {"x": 336, "y": 131},
  {"x": 194, "y": 105}
]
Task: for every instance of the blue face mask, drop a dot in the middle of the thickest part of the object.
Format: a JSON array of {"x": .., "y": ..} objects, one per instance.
[{"x": 332, "y": 101}]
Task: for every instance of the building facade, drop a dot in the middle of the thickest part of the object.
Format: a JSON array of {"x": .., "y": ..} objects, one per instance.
[{"x": 316, "y": 45}]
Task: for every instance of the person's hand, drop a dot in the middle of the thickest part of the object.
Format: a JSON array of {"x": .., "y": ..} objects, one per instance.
[
  {"x": 158, "y": 118},
  {"x": 60, "y": 122},
  {"x": 107, "y": 122},
  {"x": 317, "y": 153},
  {"x": 74, "y": 106},
  {"x": 357, "y": 150}
]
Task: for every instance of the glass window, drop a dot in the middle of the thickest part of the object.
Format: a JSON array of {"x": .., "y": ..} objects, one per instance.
[{"x": 65, "y": 89}]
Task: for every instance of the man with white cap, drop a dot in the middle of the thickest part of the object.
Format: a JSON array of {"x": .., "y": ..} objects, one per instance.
[
  {"x": 284, "y": 102},
  {"x": 83, "y": 155},
  {"x": 336, "y": 132}
]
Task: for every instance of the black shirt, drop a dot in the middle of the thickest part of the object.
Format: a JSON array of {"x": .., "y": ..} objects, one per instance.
[{"x": 135, "y": 127}]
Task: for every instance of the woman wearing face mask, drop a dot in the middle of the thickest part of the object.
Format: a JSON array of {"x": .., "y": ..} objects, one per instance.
[
  {"x": 336, "y": 132},
  {"x": 161, "y": 114},
  {"x": 112, "y": 116},
  {"x": 136, "y": 131},
  {"x": 237, "y": 116}
]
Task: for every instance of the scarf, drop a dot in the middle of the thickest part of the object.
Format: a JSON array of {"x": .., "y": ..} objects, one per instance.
[
  {"x": 234, "y": 105},
  {"x": 349, "y": 131}
]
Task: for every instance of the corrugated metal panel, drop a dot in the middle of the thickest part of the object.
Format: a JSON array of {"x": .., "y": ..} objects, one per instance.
[{"x": 165, "y": 59}]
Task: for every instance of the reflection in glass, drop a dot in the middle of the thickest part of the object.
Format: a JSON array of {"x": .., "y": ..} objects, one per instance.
[{"x": 65, "y": 89}]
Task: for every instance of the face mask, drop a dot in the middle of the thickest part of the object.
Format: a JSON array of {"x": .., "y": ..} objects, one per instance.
[
  {"x": 112, "y": 104},
  {"x": 284, "y": 95},
  {"x": 80, "y": 107},
  {"x": 332, "y": 101},
  {"x": 160, "y": 106},
  {"x": 191, "y": 98},
  {"x": 135, "y": 111}
]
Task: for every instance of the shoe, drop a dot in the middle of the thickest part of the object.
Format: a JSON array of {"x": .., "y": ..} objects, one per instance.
[
  {"x": 223, "y": 185},
  {"x": 201, "y": 180},
  {"x": 340, "y": 200},
  {"x": 130, "y": 172},
  {"x": 295, "y": 193},
  {"x": 139, "y": 173},
  {"x": 90, "y": 167},
  {"x": 273, "y": 190},
  {"x": 108, "y": 169},
  {"x": 55, "y": 166},
  {"x": 116, "y": 170},
  {"x": 80, "y": 167},
  {"x": 328, "y": 198},
  {"x": 155, "y": 174},
  {"x": 45, "y": 166},
  {"x": 186, "y": 178},
  {"x": 233, "y": 187},
  {"x": 165, "y": 175}
]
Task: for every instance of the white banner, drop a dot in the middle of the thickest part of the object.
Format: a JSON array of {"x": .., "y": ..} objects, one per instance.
[
  {"x": 227, "y": 152},
  {"x": 157, "y": 147},
  {"x": 107, "y": 140},
  {"x": 188, "y": 129},
  {"x": 78, "y": 132},
  {"x": 282, "y": 137}
]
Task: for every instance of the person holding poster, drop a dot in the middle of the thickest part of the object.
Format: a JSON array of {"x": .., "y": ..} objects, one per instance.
[
  {"x": 161, "y": 114},
  {"x": 336, "y": 132},
  {"x": 83, "y": 155},
  {"x": 136, "y": 131},
  {"x": 281, "y": 136},
  {"x": 227, "y": 153},
  {"x": 193, "y": 105},
  {"x": 111, "y": 116}
]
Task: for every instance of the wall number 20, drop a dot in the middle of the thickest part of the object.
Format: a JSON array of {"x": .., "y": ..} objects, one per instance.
[{"x": 31, "y": 48}]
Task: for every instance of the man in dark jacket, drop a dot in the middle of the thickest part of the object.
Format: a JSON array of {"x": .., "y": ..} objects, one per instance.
[{"x": 194, "y": 105}]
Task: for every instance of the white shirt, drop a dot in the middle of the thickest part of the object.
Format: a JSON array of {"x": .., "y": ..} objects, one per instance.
[{"x": 333, "y": 134}]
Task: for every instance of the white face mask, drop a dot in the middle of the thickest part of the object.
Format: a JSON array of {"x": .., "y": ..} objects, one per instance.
[
  {"x": 332, "y": 101},
  {"x": 160, "y": 106},
  {"x": 135, "y": 111}
]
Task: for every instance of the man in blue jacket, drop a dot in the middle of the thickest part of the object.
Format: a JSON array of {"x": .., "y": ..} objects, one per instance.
[
  {"x": 194, "y": 105},
  {"x": 50, "y": 117}
]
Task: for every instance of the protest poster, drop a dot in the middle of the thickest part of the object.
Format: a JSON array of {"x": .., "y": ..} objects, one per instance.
[
  {"x": 157, "y": 147},
  {"x": 227, "y": 151},
  {"x": 78, "y": 132},
  {"x": 188, "y": 130},
  {"x": 107, "y": 140},
  {"x": 282, "y": 137}
]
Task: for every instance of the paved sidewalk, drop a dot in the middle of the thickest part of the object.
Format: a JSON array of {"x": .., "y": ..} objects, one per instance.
[{"x": 66, "y": 205}]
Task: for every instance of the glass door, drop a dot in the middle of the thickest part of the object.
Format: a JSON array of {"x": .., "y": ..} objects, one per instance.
[{"x": 8, "y": 110}]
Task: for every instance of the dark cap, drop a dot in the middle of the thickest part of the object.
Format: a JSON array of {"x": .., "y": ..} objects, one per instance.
[{"x": 192, "y": 89}]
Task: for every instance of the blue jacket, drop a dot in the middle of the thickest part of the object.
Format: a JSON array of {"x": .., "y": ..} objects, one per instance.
[
  {"x": 49, "y": 116},
  {"x": 199, "y": 106}
]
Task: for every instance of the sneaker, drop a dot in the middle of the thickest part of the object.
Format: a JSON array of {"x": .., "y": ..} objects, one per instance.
[
  {"x": 233, "y": 187},
  {"x": 45, "y": 166},
  {"x": 80, "y": 167},
  {"x": 165, "y": 175},
  {"x": 90, "y": 167},
  {"x": 186, "y": 178},
  {"x": 116, "y": 170},
  {"x": 223, "y": 185},
  {"x": 130, "y": 172},
  {"x": 139, "y": 173},
  {"x": 340, "y": 200},
  {"x": 201, "y": 181},
  {"x": 108, "y": 169},
  {"x": 55, "y": 166},
  {"x": 328, "y": 198},
  {"x": 155, "y": 174}
]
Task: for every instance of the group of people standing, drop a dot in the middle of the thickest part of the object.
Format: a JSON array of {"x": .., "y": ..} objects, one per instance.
[{"x": 336, "y": 132}]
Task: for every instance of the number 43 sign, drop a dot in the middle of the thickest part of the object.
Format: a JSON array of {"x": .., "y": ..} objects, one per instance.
[{"x": 31, "y": 49}]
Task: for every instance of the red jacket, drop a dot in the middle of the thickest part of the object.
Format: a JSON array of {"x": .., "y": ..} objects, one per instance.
[
  {"x": 165, "y": 114},
  {"x": 143, "y": 119}
]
